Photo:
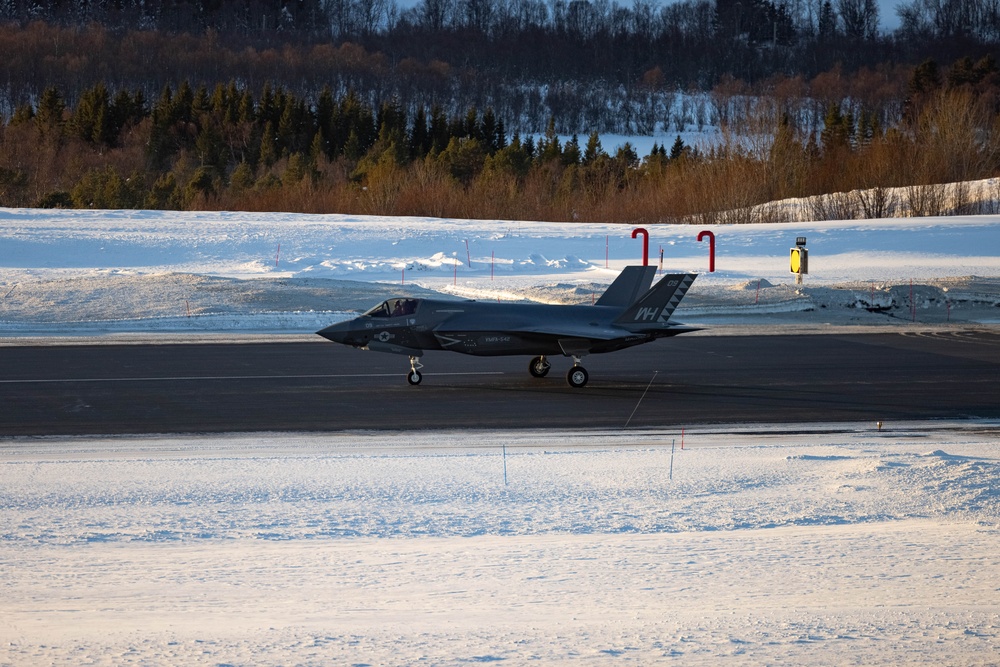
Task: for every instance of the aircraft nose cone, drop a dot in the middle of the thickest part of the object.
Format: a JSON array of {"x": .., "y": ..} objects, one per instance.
[{"x": 342, "y": 333}]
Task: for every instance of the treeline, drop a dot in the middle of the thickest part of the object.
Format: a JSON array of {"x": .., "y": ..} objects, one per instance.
[
  {"x": 73, "y": 61},
  {"x": 593, "y": 65},
  {"x": 231, "y": 148}
]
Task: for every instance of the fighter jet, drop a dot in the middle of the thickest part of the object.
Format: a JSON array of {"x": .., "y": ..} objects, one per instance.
[{"x": 630, "y": 312}]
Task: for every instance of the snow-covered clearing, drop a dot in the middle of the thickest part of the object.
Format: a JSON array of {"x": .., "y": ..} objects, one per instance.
[
  {"x": 798, "y": 544},
  {"x": 806, "y": 544}
]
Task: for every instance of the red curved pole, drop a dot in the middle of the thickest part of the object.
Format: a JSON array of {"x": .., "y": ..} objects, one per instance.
[
  {"x": 711, "y": 249},
  {"x": 645, "y": 244}
]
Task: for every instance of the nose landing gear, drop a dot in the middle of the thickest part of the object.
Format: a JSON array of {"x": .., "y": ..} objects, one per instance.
[{"x": 414, "y": 376}]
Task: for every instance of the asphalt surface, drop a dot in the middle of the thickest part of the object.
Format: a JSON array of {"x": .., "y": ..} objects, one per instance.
[{"x": 109, "y": 389}]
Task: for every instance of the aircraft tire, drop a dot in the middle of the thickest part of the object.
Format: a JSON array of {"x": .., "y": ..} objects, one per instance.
[
  {"x": 414, "y": 377},
  {"x": 577, "y": 377},
  {"x": 539, "y": 367}
]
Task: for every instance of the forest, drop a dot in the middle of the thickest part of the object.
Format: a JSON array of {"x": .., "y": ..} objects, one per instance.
[{"x": 464, "y": 108}]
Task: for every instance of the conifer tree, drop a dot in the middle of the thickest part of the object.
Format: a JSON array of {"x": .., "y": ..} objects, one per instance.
[
  {"x": 325, "y": 111},
  {"x": 439, "y": 134},
  {"x": 571, "y": 152},
  {"x": 268, "y": 153},
  {"x": 838, "y": 129},
  {"x": 549, "y": 147},
  {"x": 91, "y": 120},
  {"x": 419, "y": 139},
  {"x": 678, "y": 148},
  {"x": 488, "y": 131},
  {"x": 49, "y": 118},
  {"x": 245, "y": 111},
  {"x": 593, "y": 149}
]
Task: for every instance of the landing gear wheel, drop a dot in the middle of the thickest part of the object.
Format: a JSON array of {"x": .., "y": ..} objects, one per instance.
[
  {"x": 414, "y": 377},
  {"x": 539, "y": 367},
  {"x": 577, "y": 377}
]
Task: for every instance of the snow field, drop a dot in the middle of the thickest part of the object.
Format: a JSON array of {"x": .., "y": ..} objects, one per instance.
[
  {"x": 98, "y": 272},
  {"x": 791, "y": 545},
  {"x": 860, "y": 547}
]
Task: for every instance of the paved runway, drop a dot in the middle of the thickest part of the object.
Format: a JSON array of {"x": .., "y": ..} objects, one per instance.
[{"x": 322, "y": 386}]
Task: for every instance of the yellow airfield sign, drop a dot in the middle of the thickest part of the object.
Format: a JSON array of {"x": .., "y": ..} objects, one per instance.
[{"x": 798, "y": 261}]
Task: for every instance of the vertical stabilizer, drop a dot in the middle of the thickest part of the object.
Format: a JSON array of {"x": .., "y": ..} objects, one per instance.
[
  {"x": 631, "y": 283},
  {"x": 654, "y": 308}
]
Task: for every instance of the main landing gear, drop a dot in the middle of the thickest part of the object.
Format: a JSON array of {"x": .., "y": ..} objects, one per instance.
[
  {"x": 539, "y": 368},
  {"x": 414, "y": 376},
  {"x": 577, "y": 377}
]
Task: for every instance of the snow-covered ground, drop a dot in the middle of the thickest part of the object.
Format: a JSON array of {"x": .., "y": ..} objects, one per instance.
[
  {"x": 93, "y": 272},
  {"x": 798, "y": 544}
]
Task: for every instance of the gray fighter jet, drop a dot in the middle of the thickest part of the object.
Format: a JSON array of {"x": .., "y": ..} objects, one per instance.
[{"x": 629, "y": 313}]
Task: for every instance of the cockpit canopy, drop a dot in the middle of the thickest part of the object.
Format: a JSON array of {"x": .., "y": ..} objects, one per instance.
[{"x": 395, "y": 307}]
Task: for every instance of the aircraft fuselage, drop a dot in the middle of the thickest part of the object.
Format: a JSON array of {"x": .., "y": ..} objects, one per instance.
[
  {"x": 630, "y": 312},
  {"x": 427, "y": 328}
]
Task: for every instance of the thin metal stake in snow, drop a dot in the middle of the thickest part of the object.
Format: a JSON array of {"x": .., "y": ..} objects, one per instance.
[
  {"x": 504, "y": 463},
  {"x": 640, "y": 398},
  {"x": 672, "y": 458}
]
